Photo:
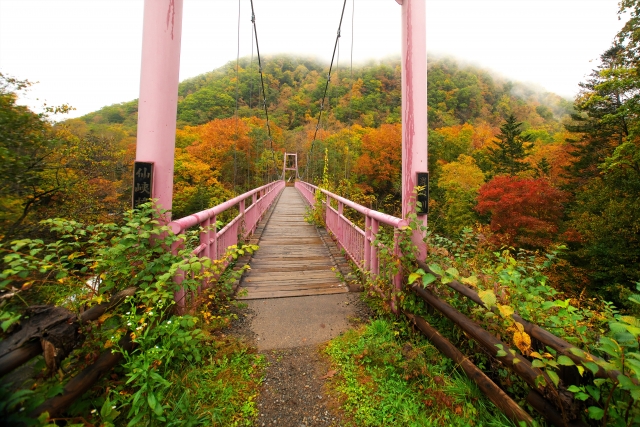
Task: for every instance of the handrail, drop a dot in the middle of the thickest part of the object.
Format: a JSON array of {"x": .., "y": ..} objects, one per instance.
[
  {"x": 213, "y": 242},
  {"x": 378, "y": 216},
  {"x": 360, "y": 245},
  {"x": 182, "y": 224}
]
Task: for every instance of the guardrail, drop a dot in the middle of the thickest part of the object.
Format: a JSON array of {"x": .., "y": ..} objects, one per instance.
[
  {"x": 213, "y": 243},
  {"x": 359, "y": 244}
]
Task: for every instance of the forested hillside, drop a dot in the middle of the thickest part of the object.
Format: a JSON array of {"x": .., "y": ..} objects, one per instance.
[
  {"x": 533, "y": 264},
  {"x": 522, "y": 167}
]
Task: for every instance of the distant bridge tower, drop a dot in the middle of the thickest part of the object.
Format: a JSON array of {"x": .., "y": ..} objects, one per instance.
[{"x": 294, "y": 164}]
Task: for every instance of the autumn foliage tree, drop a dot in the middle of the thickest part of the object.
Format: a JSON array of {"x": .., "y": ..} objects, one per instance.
[
  {"x": 524, "y": 212},
  {"x": 380, "y": 163}
]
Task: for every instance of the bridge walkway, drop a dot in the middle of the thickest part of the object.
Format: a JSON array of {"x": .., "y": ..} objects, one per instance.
[{"x": 292, "y": 260}]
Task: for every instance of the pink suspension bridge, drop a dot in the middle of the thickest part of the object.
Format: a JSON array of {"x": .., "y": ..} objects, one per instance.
[{"x": 292, "y": 254}]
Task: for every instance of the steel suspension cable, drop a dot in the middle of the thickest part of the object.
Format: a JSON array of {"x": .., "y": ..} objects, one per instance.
[
  {"x": 350, "y": 118},
  {"x": 326, "y": 87},
  {"x": 235, "y": 143},
  {"x": 264, "y": 94}
]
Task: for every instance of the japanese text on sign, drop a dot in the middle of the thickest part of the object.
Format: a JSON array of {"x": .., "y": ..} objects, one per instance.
[{"x": 142, "y": 183}]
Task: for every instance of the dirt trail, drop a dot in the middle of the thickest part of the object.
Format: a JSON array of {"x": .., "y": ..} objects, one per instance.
[{"x": 290, "y": 332}]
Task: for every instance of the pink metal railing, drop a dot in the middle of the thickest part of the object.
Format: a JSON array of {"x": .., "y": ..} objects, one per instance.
[
  {"x": 213, "y": 243},
  {"x": 357, "y": 243}
]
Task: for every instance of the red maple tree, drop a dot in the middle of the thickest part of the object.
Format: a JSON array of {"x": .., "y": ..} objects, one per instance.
[{"x": 524, "y": 212}]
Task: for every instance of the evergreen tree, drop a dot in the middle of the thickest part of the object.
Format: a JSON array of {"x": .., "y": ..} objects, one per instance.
[{"x": 512, "y": 147}]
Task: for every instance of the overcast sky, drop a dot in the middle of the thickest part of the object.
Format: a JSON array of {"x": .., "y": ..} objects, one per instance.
[{"x": 87, "y": 52}]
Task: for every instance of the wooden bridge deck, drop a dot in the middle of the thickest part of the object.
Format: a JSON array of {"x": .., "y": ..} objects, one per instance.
[{"x": 292, "y": 259}]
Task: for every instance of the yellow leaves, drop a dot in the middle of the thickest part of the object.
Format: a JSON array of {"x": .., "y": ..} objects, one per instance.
[
  {"x": 471, "y": 281},
  {"x": 463, "y": 174},
  {"x": 488, "y": 298},
  {"x": 522, "y": 340},
  {"x": 109, "y": 343},
  {"x": 505, "y": 311},
  {"x": 104, "y": 318}
]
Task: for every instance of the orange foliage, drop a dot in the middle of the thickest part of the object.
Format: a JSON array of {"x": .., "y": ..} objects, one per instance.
[
  {"x": 483, "y": 135},
  {"x": 381, "y": 160},
  {"x": 215, "y": 139}
]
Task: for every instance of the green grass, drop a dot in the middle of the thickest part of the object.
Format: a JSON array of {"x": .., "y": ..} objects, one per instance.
[
  {"x": 383, "y": 379},
  {"x": 221, "y": 391}
]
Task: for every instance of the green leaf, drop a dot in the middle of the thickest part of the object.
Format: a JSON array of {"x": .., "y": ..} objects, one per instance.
[
  {"x": 625, "y": 382},
  {"x": 592, "y": 366},
  {"x": 54, "y": 390},
  {"x": 196, "y": 267},
  {"x": 428, "y": 278},
  {"x": 105, "y": 411},
  {"x": 565, "y": 361},
  {"x": 577, "y": 352},
  {"x": 453, "y": 272},
  {"x": 538, "y": 364},
  {"x": 436, "y": 269},
  {"x": 158, "y": 410},
  {"x": 554, "y": 377},
  {"x": 413, "y": 277},
  {"x": 151, "y": 400},
  {"x": 595, "y": 413}
]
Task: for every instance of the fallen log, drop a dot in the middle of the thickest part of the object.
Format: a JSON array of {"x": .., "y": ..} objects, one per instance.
[
  {"x": 98, "y": 310},
  {"x": 19, "y": 356},
  {"x": 547, "y": 410},
  {"x": 54, "y": 331},
  {"x": 535, "y": 331},
  {"x": 517, "y": 363},
  {"x": 488, "y": 387},
  {"x": 79, "y": 384}
]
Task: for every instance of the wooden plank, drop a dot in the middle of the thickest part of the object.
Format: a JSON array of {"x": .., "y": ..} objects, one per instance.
[
  {"x": 292, "y": 259},
  {"x": 276, "y": 287},
  {"x": 286, "y": 283},
  {"x": 292, "y": 275},
  {"x": 299, "y": 268},
  {"x": 288, "y": 294}
]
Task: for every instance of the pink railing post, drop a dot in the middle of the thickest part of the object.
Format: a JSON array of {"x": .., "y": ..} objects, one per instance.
[
  {"x": 375, "y": 261},
  {"x": 180, "y": 295},
  {"x": 397, "y": 278},
  {"x": 204, "y": 237},
  {"x": 414, "y": 108},
  {"x": 158, "y": 104},
  {"x": 367, "y": 243},
  {"x": 341, "y": 229},
  {"x": 213, "y": 252}
]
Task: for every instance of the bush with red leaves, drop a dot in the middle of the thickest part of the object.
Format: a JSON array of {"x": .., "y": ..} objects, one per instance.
[{"x": 524, "y": 212}]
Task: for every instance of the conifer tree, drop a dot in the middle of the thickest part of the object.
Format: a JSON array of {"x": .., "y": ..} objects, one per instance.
[{"x": 512, "y": 148}]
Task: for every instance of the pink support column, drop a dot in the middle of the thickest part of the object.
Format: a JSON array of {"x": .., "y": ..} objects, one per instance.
[
  {"x": 157, "y": 108},
  {"x": 414, "y": 107}
]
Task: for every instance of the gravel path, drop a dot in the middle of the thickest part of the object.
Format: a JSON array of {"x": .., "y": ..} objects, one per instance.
[{"x": 293, "y": 393}]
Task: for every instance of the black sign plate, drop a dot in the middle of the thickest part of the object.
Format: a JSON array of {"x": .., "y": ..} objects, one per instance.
[
  {"x": 422, "y": 199},
  {"x": 142, "y": 183}
]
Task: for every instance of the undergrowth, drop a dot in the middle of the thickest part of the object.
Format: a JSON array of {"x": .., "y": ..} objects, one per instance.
[
  {"x": 388, "y": 376},
  {"x": 181, "y": 370}
]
